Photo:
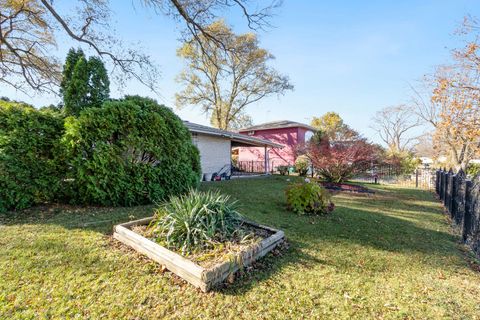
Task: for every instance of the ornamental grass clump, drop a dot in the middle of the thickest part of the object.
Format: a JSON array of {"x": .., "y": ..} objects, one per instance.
[
  {"x": 308, "y": 198},
  {"x": 197, "y": 221}
]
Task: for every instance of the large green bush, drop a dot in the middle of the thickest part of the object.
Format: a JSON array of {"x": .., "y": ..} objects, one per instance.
[
  {"x": 29, "y": 170},
  {"x": 308, "y": 198},
  {"x": 128, "y": 152},
  {"x": 196, "y": 221}
]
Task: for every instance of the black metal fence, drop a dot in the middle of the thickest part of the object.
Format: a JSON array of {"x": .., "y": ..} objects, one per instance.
[
  {"x": 249, "y": 167},
  {"x": 256, "y": 167},
  {"x": 423, "y": 178},
  {"x": 461, "y": 198}
]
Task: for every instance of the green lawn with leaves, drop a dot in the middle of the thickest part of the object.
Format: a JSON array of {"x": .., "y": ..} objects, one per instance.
[{"x": 390, "y": 255}]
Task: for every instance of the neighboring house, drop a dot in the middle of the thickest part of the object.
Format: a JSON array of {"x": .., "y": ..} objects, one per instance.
[
  {"x": 441, "y": 161},
  {"x": 216, "y": 145},
  {"x": 427, "y": 161},
  {"x": 290, "y": 134}
]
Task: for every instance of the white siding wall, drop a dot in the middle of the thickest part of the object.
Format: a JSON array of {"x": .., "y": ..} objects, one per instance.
[{"x": 214, "y": 152}]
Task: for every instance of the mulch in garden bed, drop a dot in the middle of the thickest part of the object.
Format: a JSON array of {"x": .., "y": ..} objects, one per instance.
[
  {"x": 347, "y": 187},
  {"x": 219, "y": 252}
]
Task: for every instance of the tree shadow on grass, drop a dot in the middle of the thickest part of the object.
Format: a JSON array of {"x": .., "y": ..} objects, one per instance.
[
  {"x": 99, "y": 219},
  {"x": 398, "y": 233},
  {"x": 395, "y": 231},
  {"x": 360, "y": 221},
  {"x": 387, "y": 234},
  {"x": 273, "y": 263}
]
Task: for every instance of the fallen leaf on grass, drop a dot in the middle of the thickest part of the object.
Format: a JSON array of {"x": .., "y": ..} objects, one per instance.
[
  {"x": 390, "y": 306},
  {"x": 163, "y": 269}
]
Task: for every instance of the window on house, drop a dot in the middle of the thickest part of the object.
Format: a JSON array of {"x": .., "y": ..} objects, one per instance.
[{"x": 308, "y": 135}]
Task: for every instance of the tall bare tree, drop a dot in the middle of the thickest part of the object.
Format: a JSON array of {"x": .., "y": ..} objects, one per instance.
[
  {"x": 28, "y": 31},
  {"x": 393, "y": 125},
  {"x": 198, "y": 14},
  {"x": 424, "y": 146},
  {"x": 224, "y": 80}
]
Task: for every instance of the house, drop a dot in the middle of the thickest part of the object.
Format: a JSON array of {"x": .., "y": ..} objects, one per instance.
[
  {"x": 290, "y": 134},
  {"x": 216, "y": 146}
]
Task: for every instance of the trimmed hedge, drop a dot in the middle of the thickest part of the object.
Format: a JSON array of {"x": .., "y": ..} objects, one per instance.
[
  {"x": 29, "y": 169},
  {"x": 129, "y": 152}
]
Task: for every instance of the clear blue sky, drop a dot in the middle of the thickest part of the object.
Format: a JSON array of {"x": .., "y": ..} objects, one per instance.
[{"x": 352, "y": 57}]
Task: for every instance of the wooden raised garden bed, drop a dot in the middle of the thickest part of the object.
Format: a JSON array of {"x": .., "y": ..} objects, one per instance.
[{"x": 200, "y": 277}]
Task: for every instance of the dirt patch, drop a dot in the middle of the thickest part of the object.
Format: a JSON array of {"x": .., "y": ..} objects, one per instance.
[{"x": 345, "y": 187}]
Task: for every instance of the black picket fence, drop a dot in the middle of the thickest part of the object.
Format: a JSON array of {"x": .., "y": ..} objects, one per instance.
[
  {"x": 255, "y": 167},
  {"x": 249, "y": 167},
  {"x": 461, "y": 198}
]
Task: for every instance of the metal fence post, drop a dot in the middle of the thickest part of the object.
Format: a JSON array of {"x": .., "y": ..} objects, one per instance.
[
  {"x": 448, "y": 195},
  {"x": 467, "y": 219},
  {"x": 459, "y": 198},
  {"x": 442, "y": 184},
  {"x": 416, "y": 178},
  {"x": 453, "y": 191}
]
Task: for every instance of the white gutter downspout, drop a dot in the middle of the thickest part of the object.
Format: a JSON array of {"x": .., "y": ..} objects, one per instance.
[{"x": 266, "y": 159}]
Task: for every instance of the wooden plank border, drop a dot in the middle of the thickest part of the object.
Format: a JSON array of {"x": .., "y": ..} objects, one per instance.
[{"x": 205, "y": 279}]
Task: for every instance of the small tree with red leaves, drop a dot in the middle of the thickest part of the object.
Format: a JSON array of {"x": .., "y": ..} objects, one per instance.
[{"x": 337, "y": 161}]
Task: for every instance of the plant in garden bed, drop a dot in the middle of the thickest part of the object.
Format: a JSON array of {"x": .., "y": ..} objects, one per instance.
[
  {"x": 308, "y": 198},
  {"x": 283, "y": 170},
  {"x": 301, "y": 165},
  {"x": 198, "y": 221}
]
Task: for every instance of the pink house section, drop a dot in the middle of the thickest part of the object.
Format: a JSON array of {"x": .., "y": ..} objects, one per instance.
[{"x": 287, "y": 133}]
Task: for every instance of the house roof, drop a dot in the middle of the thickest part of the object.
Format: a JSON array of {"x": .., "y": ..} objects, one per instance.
[
  {"x": 239, "y": 139},
  {"x": 278, "y": 125}
]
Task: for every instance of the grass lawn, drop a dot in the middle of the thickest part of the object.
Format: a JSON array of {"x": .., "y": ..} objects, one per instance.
[{"x": 388, "y": 255}]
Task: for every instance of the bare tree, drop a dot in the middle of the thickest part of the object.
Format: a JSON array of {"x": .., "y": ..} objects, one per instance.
[
  {"x": 223, "y": 82},
  {"x": 28, "y": 30},
  {"x": 25, "y": 41},
  {"x": 200, "y": 13},
  {"x": 28, "y": 38},
  {"x": 393, "y": 125},
  {"x": 424, "y": 146}
]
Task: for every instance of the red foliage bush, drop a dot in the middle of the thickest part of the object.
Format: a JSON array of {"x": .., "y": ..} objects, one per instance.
[{"x": 338, "y": 161}]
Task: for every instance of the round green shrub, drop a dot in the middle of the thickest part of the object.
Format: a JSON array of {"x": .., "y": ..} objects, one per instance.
[
  {"x": 283, "y": 170},
  {"x": 129, "y": 152},
  {"x": 196, "y": 221},
  {"x": 30, "y": 172},
  {"x": 301, "y": 166},
  {"x": 308, "y": 198}
]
